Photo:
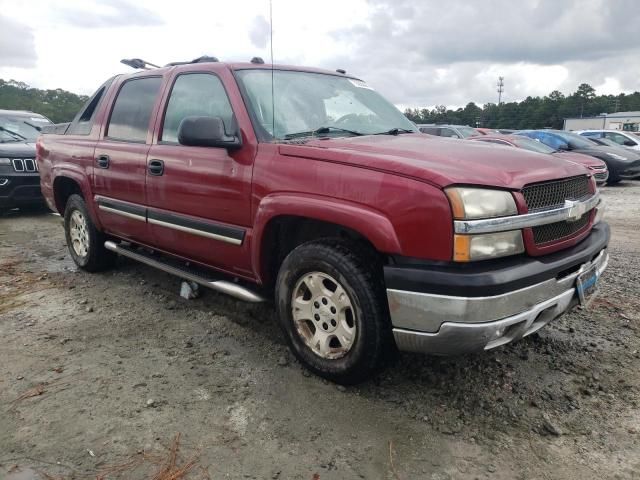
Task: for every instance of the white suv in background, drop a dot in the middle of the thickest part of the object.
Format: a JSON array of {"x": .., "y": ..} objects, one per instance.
[{"x": 621, "y": 137}]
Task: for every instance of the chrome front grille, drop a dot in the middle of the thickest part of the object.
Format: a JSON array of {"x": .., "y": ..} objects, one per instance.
[
  {"x": 548, "y": 195},
  {"x": 559, "y": 230},
  {"x": 26, "y": 165}
]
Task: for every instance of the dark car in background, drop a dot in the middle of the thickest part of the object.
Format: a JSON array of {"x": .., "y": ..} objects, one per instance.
[
  {"x": 19, "y": 177},
  {"x": 597, "y": 167},
  {"x": 621, "y": 163},
  {"x": 451, "y": 131}
]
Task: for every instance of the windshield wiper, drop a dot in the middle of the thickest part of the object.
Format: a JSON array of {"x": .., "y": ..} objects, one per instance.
[
  {"x": 321, "y": 130},
  {"x": 16, "y": 135},
  {"x": 33, "y": 126},
  {"x": 395, "y": 131}
]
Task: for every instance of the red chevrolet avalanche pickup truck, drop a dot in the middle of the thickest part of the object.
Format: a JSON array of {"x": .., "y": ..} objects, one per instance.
[{"x": 369, "y": 235}]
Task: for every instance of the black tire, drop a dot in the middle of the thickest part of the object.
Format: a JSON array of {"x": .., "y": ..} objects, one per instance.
[
  {"x": 364, "y": 286},
  {"x": 613, "y": 176},
  {"x": 97, "y": 257},
  {"x": 613, "y": 181}
]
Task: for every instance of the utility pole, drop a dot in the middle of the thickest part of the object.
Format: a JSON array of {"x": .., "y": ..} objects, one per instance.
[
  {"x": 616, "y": 105},
  {"x": 500, "y": 89}
]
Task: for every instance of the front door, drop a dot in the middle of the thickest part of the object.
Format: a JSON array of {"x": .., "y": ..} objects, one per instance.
[
  {"x": 199, "y": 197},
  {"x": 120, "y": 160}
]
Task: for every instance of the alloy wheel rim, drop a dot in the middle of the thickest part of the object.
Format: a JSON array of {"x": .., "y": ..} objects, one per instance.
[
  {"x": 323, "y": 315},
  {"x": 79, "y": 233}
]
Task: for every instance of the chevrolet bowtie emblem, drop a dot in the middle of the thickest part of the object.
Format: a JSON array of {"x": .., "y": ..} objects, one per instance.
[{"x": 576, "y": 210}]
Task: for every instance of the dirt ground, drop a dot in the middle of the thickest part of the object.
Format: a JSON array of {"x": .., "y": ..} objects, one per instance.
[{"x": 100, "y": 373}]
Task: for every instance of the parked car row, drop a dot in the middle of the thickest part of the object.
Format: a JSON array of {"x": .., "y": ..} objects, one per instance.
[
  {"x": 611, "y": 155},
  {"x": 597, "y": 167}
]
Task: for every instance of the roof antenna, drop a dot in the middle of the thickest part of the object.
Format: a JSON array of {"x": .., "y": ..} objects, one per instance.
[
  {"x": 138, "y": 63},
  {"x": 273, "y": 99}
]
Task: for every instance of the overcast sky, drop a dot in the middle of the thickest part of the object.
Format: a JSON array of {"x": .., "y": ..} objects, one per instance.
[{"x": 415, "y": 52}]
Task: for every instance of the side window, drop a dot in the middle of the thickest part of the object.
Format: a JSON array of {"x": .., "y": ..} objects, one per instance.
[
  {"x": 430, "y": 130},
  {"x": 132, "y": 109},
  {"x": 447, "y": 132},
  {"x": 195, "y": 94},
  {"x": 84, "y": 120},
  {"x": 616, "y": 137}
]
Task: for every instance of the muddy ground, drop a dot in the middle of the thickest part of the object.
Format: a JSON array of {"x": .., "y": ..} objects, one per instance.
[{"x": 99, "y": 373}]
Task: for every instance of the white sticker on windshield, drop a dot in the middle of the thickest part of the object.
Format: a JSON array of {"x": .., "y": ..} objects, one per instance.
[
  {"x": 38, "y": 119},
  {"x": 360, "y": 84}
]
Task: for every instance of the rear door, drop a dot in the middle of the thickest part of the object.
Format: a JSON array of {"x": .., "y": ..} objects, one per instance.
[
  {"x": 199, "y": 197},
  {"x": 120, "y": 159}
]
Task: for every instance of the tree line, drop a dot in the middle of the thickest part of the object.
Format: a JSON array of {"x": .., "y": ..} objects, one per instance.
[
  {"x": 58, "y": 105},
  {"x": 532, "y": 112}
]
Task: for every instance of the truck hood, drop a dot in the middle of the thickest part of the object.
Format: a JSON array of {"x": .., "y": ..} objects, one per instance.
[
  {"x": 437, "y": 160},
  {"x": 17, "y": 149}
]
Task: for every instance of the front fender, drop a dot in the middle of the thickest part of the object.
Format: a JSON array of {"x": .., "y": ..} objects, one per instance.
[{"x": 368, "y": 222}]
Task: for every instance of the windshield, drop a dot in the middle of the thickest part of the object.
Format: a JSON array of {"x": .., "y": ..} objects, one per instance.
[
  {"x": 533, "y": 145},
  {"x": 314, "y": 103},
  {"x": 467, "y": 132},
  {"x": 12, "y": 127},
  {"x": 574, "y": 140}
]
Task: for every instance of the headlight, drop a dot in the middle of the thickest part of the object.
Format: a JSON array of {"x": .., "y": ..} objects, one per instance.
[
  {"x": 469, "y": 248},
  {"x": 475, "y": 203},
  {"x": 5, "y": 161},
  {"x": 617, "y": 157}
]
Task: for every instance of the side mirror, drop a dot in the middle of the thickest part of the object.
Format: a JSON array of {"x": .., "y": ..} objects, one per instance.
[
  {"x": 630, "y": 143},
  {"x": 206, "y": 132},
  {"x": 563, "y": 146}
]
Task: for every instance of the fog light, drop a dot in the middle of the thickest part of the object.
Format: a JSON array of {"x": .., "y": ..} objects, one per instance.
[
  {"x": 468, "y": 248},
  {"x": 4, "y": 181}
]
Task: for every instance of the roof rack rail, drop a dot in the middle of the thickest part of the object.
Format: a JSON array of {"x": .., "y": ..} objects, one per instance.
[
  {"x": 138, "y": 63},
  {"x": 202, "y": 59}
]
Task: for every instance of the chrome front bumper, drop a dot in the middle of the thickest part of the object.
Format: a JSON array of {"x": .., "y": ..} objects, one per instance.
[{"x": 447, "y": 325}]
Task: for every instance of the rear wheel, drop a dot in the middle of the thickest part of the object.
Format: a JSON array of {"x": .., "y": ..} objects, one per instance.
[
  {"x": 85, "y": 241},
  {"x": 332, "y": 307}
]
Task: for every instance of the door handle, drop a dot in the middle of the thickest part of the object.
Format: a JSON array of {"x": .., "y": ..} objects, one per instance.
[
  {"x": 103, "y": 161},
  {"x": 156, "y": 167}
]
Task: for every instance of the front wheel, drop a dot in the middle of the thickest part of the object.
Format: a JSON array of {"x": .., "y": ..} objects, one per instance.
[
  {"x": 332, "y": 307},
  {"x": 85, "y": 241}
]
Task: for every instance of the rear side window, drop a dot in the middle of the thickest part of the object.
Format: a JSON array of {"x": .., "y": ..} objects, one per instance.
[
  {"x": 83, "y": 121},
  {"x": 132, "y": 109},
  {"x": 195, "y": 94},
  {"x": 430, "y": 130}
]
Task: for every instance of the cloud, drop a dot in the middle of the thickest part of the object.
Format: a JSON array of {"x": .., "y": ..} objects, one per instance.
[
  {"x": 428, "y": 52},
  {"x": 17, "y": 44},
  {"x": 107, "y": 14},
  {"x": 259, "y": 31}
]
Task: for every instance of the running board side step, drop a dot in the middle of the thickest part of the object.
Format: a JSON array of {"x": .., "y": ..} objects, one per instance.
[{"x": 194, "y": 275}]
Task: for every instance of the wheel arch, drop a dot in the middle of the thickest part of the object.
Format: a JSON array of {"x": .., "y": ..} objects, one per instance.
[
  {"x": 285, "y": 221},
  {"x": 67, "y": 183}
]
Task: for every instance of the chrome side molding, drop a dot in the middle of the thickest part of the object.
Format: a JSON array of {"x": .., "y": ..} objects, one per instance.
[
  {"x": 571, "y": 211},
  {"x": 223, "y": 286}
]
